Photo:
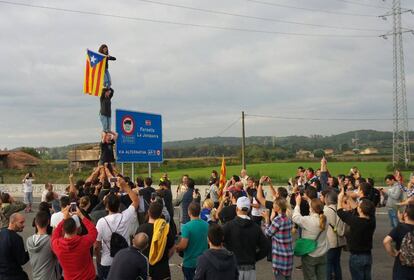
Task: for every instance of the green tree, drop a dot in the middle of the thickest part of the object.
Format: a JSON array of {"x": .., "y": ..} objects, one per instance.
[{"x": 30, "y": 151}]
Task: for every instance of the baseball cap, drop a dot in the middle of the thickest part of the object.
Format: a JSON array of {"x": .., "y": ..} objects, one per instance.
[{"x": 243, "y": 203}]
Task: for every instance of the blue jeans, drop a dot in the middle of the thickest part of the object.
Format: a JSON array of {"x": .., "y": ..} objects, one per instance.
[
  {"x": 360, "y": 266},
  {"x": 28, "y": 198},
  {"x": 333, "y": 265},
  {"x": 107, "y": 79},
  {"x": 189, "y": 273},
  {"x": 106, "y": 123},
  {"x": 392, "y": 214}
]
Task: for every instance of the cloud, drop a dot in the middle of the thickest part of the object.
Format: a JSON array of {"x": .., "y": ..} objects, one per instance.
[{"x": 198, "y": 79}]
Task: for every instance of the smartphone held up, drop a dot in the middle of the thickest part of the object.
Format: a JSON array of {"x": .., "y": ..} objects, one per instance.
[{"x": 72, "y": 207}]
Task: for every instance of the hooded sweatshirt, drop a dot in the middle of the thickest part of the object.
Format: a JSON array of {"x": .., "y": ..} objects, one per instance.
[
  {"x": 42, "y": 259},
  {"x": 246, "y": 239},
  {"x": 217, "y": 264},
  {"x": 74, "y": 253}
]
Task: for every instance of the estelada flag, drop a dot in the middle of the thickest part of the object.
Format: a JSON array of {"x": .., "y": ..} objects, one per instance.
[
  {"x": 94, "y": 73},
  {"x": 222, "y": 177}
]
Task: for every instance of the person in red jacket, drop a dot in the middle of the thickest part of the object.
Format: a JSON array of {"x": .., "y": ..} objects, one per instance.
[{"x": 73, "y": 250}]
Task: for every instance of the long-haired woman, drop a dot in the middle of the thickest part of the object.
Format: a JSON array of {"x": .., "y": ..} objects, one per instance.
[
  {"x": 313, "y": 227},
  {"x": 103, "y": 49}
]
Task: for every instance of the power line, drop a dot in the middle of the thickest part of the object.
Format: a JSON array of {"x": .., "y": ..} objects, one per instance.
[
  {"x": 255, "y": 17},
  {"x": 310, "y": 9},
  {"x": 186, "y": 24},
  {"x": 320, "y": 119},
  {"x": 363, "y": 4},
  {"x": 228, "y": 127}
]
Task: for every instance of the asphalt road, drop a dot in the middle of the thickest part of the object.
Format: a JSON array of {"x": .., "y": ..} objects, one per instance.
[{"x": 382, "y": 263}]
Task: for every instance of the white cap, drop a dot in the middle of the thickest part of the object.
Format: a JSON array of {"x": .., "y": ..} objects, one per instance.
[{"x": 243, "y": 202}]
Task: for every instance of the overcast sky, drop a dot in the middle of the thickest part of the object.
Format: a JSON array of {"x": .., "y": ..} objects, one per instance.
[{"x": 199, "y": 79}]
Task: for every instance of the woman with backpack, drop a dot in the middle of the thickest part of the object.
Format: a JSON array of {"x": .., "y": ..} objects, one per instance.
[
  {"x": 315, "y": 246},
  {"x": 335, "y": 235}
]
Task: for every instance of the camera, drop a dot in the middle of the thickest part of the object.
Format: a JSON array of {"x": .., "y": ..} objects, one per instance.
[
  {"x": 72, "y": 207},
  {"x": 153, "y": 195}
]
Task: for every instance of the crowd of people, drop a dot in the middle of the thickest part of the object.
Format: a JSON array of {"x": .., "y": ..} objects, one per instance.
[
  {"x": 109, "y": 226},
  {"x": 132, "y": 231}
]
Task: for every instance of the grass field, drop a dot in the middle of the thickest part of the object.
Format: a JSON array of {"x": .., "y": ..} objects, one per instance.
[{"x": 280, "y": 172}]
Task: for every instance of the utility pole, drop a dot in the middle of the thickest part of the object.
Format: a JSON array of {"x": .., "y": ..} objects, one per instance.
[
  {"x": 401, "y": 142},
  {"x": 243, "y": 143}
]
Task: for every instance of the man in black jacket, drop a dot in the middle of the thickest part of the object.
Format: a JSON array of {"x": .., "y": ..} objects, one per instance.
[
  {"x": 105, "y": 112},
  {"x": 12, "y": 252},
  {"x": 359, "y": 240},
  {"x": 107, "y": 147},
  {"x": 245, "y": 238},
  {"x": 217, "y": 262}
]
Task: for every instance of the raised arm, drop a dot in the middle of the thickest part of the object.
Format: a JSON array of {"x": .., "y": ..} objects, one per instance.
[
  {"x": 260, "y": 197},
  {"x": 115, "y": 135},
  {"x": 25, "y": 177},
  {"x": 324, "y": 174},
  {"x": 341, "y": 196},
  {"x": 351, "y": 196},
  {"x": 92, "y": 232},
  {"x": 132, "y": 195},
  {"x": 94, "y": 174},
  {"x": 72, "y": 188},
  {"x": 272, "y": 189},
  {"x": 220, "y": 208},
  {"x": 108, "y": 173},
  {"x": 297, "y": 218},
  {"x": 58, "y": 232}
]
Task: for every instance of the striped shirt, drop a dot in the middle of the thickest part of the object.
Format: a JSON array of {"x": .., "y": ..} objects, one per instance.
[{"x": 282, "y": 249}]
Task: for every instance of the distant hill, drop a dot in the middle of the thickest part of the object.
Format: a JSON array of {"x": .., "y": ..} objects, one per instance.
[
  {"x": 365, "y": 137},
  {"x": 284, "y": 147}
]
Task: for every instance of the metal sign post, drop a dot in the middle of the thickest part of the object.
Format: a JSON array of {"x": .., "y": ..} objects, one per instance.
[
  {"x": 149, "y": 170},
  {"x": 132, "y": 173}
]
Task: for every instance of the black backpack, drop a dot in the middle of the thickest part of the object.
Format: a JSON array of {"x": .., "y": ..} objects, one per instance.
[
  {"x": 117, "y": 241},
  {"x": 375, "y": 197}
]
